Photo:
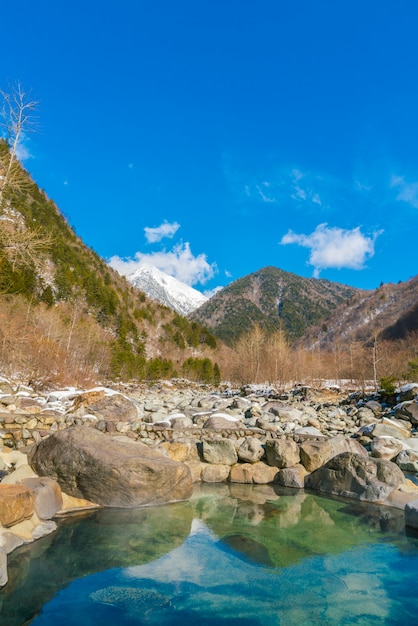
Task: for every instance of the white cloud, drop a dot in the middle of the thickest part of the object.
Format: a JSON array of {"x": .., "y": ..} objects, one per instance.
[
  {"x": 263, "y": 195},
  {"x": 335, "y": 247},
  {"x": 211, "y": 292},
  {"x": 302, "y": 192},
  {"x": 165, "y": 229},
  {"x": 178, "y": 262},
  {"x": 408, "y": 192}
]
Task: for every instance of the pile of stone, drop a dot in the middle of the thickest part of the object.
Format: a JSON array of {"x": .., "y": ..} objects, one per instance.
[{"x": 135, "y": 446}]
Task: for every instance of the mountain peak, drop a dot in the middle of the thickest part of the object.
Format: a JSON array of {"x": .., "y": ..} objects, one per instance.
[{"x": 166, "y": 289}]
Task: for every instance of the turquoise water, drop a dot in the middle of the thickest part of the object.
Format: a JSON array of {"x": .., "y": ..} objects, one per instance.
[{"x": 234, "y": 554}]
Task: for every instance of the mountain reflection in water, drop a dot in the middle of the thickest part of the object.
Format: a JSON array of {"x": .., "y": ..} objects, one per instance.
[{"x": 238, "y": 554}]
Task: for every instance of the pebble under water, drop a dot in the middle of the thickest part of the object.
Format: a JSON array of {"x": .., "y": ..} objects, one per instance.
[{"x": 234, "y": 554}]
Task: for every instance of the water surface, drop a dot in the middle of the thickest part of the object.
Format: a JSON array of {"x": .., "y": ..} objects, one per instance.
[{"x": 234, "y": 554}]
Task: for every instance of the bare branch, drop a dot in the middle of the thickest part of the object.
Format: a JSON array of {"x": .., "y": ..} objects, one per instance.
[{"x": 16, "y": 119}]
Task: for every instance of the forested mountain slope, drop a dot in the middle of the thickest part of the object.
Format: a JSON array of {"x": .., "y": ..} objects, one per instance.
[
  {"x": 273, "y": 299},
  {"x": 64, "y": 312}
]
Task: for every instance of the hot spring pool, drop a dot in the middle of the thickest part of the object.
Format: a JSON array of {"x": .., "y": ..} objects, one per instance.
[{"x": 234, "y": 554}]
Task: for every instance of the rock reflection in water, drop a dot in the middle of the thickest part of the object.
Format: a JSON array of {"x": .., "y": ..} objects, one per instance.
[
  {"x": 234, "y": 554},
  {"x": 86, "y": 544}
]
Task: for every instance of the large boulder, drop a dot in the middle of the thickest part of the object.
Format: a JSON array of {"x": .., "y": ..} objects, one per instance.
[
  {"x": 391, "y": 428},
  {"x": 214, "y": 473},
  {"x": 16, "y": 504},
  {"x": 219, "y": 452},
  {"x": 89, "y": 464},
  {"x": 408, "y": 410},
  {"x": 314, "y": 454},
  {"x": 355, "y": 476},
  {"x": 282, "y": 453},
  {"x": 251, "y": 450},
  {"x": 48, "y": 496},
  {"x": 259, "y": 473},
  {"x": 293, "y": 477},
  {"x": 105, "y": 405},
  {"x": 219, "y": 422},
  {"x": 386, "y": 447}
]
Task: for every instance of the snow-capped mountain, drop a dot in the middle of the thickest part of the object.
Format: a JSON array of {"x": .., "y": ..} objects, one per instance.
[{"x": 168, "y": 290}]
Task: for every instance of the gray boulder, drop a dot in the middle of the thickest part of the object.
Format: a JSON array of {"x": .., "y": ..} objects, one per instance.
[
  {"x": 292, "y": 477},
  {"x": 219, "y": 452},
  {"x": 282, "y": 453},
  {"x": 89, "y": 464},
  {"x": 386, "y": 447},
  {"x": 407, "y": 460},
  {"x": 408, "y": 410},
  {"x": 251, "y": 450},
  {"x": 355, "y": 476},
  {"x": 391, "y": 428},
  {"x": 217, "y": 422},
  {"x": 314, "y": 454},
  {"x": 411, "y": 514}
]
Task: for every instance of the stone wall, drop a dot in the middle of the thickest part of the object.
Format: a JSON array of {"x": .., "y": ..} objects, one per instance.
[{"x": 20, "y": 429}]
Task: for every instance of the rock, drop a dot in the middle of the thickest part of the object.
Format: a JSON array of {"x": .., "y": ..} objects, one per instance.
[
  {"x": 268, "y": 426},
  {"x": 114, "y": 407},
  {"x": 14, "y": 458},
  {"x": 16, "y": 477},
  {"x": 196, "y": 468},
  {"x": 293, "y": 477},
  {"x": 365, "y": 416},
  {"x": 178, "y": 450},
  {"x": 284, "y": 411},
  {"x": 3, "y": 568},
  {"x": 16, "y": 504},
  {"x": 48, "y": 496},
  {"x": 312, "y": 431},
  {"x": 88, "y": 464},
  {"x": 219, "y": 452},
  {"x": 411, "y": 514},
  {"x": 251, "y": 450},
  {"x": 386, "y": 447},
  {"x": 408, "y": 392},
  {"x": 33, "y": 528},
  {"x": 408, "y": 410},
  {"x": 216, "y": 422},
  {"x": 75, "y": 504},
  {"x": 282, "y": 453},
  {"x": 391, "y": 428},
  {"x": 374, "y": 406},
  {"x": 314, "y": 454},
  {"x": 407, "y": 460},
  {"x": 214, "y": 473},
  {"x": 259, "y": 473},
  {"x": 355, "y": 476},
  {"x": 180, "y": 422}
]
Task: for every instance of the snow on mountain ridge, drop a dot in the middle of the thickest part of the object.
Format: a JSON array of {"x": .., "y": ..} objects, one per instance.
[{"x": 166, "y": 289}]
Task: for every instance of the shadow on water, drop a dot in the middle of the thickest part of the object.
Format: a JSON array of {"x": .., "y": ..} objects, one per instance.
[{"x": 132, "y": 562}]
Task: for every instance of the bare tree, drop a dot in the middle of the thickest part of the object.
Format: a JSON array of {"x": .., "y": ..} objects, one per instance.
[
  {"x": 250, "y": 351},
  {"x": 16, "y": 119}
]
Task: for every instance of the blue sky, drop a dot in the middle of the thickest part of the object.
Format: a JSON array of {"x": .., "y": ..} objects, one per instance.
[{"x": 212, "y": 138}]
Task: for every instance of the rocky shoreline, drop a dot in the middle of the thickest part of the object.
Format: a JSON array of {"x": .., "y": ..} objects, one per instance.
[{"x": 131, "y": 446}]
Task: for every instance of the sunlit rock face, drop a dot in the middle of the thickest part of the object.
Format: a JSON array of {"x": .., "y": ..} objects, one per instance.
[{"x": 88, "y": 464}]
